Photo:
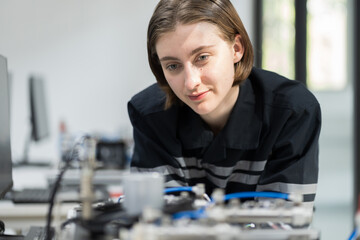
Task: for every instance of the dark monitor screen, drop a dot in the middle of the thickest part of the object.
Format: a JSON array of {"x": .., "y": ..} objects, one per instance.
[
  {"x": 38, "y": 110},
  {"x": 39, "y": 126},
  {"x": 6, "y": 180}
]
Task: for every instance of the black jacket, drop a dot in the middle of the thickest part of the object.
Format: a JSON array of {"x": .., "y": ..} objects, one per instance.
[{"x": 270, "y": 142}]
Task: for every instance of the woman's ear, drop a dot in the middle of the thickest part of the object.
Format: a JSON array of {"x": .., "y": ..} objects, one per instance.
[{"x": 238, "y": 48}]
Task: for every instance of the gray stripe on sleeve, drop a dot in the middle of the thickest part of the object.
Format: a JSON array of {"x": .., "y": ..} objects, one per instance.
[
  {"x": 240, "y": 165},
  {"x": 245, "y": 165},
  {"x": 288, "y": 188},
  {"x": 189, "y": 174}
]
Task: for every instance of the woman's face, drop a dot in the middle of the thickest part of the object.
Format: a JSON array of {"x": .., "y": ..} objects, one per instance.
[{"x": 199, "y": 67}]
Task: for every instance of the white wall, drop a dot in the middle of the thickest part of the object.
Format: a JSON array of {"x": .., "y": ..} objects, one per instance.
[{"x": 91, "y": 53}]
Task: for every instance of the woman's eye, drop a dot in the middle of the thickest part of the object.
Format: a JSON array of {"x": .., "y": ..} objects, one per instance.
[
  {"x": 172, "y": 67},
  {"x": 203, "y": 57}
]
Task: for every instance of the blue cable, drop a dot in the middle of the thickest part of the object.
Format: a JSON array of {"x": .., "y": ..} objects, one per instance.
[
  {"x": 195, "y": 214},
  {"x": 178, "y": 189},
  {"x": 121, "y": 197},
  {"x": 256, "y": 194},
  {"x": 353, "y": 234},
  {"x": 201, "y": 213}
]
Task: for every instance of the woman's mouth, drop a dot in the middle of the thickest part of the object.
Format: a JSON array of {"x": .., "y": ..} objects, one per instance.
[{"x": 198, "y": 97}]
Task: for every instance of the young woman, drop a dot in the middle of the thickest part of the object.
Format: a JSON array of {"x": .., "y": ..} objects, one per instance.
[{"x": 212, "y": 117}]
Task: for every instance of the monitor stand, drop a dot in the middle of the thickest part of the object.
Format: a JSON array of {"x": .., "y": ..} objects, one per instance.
[{"x": 24, "y": 162}]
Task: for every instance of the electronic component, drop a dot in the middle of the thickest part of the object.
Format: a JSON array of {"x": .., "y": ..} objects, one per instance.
[
  {"x": 219, "y": 231},
  {"x": 147, "y": 211}
]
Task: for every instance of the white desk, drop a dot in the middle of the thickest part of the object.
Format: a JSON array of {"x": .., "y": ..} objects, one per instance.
[
  {"x": 30, "y": 177},
  {"x": 20, "y": 217}
]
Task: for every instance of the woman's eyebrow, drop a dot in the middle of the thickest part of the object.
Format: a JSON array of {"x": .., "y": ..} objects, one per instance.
[
  {"x": 167, "y": 58},
  {"x": 198, "y": 49},
  {"x": 193, "y": 52}
]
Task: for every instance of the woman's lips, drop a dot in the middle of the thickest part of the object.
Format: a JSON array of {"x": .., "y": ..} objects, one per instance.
[{"x": 197, "y": 97}]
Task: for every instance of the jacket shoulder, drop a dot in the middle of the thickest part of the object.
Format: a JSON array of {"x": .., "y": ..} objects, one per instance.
[
  {"x": 150, "y": 100},
  {"x": 279, "y": 91}
]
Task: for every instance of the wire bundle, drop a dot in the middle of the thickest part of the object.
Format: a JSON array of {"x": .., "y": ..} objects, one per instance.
[{"x": 200, "y": 213}]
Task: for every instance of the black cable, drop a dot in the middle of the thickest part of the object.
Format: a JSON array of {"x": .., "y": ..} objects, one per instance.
[
  {"x": 71, "y": 220},
  {"x": 52, "y": 198},
  {"x": 97, "y": 225},
  {"x": 2, "y": 227},
  {"x": 56, "y": 185}
]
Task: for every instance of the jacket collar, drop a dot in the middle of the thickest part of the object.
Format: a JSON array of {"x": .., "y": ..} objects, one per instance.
[{"x": 242, "y": 131}]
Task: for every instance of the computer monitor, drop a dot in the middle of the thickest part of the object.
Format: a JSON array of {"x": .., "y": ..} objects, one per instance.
[
  {"x": 39, "y": 125},
  {"x": 6, "y": 181},
  {"x": 38, "y": 110}
]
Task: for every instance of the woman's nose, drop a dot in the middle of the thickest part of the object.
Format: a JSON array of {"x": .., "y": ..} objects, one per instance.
[{"x": 192, "y": 77}]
